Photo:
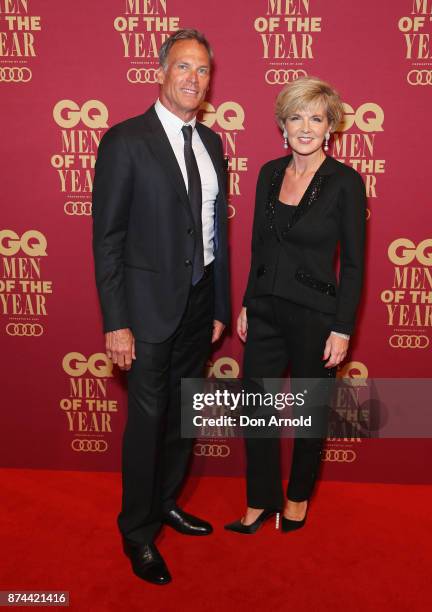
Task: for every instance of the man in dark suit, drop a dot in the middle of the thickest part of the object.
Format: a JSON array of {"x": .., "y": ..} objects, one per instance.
[{"x": 160, "y": 249}]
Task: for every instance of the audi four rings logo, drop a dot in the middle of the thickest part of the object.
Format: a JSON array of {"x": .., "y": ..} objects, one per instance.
[
  {"x": 406, "y": 341},
  {"x": 10, "y": 74},
  {"x": 339, "y": 456},
  {"x": 279, "y": 77},
  {"x": 142, "y": 75},
  {"x": 211, "y": 450},
  {"x": 78, "y": 208},
  {"x": 24, "y": 329},
  {"x": 419, "y": 77},
  {"x": 89, "y": 446}
]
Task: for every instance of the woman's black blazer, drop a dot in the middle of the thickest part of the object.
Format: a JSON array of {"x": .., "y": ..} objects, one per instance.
[{"x": 297, "y": 262}]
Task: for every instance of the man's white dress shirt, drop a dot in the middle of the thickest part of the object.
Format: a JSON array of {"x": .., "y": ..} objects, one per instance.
[{"x": 209, "y": 183}]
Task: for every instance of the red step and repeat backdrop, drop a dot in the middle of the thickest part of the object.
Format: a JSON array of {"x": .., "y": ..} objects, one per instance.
[{"x": 71, "y": 69}]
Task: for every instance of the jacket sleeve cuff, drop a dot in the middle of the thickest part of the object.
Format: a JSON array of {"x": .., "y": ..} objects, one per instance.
[
  {"x": 343, "y": 328},
  {"x": 114, "y": 323},
  {"x": 336, "y": 333}
]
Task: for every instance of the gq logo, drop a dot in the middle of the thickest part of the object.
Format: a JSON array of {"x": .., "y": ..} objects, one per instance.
[
  {"x": 224, "y": 367},
  {"x": 229, "y": 116},
  {"x": 403, "y": 251},
  {"x": 98, "y": 364},
  {"x": 356, "y": 372},
  {"x": 93, "y": 113},
  {"x": 369, "y": 117},
  {"x": 32, "y": 243}
]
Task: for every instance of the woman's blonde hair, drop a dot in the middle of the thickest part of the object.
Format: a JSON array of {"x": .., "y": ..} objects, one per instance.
[{"x": 309, "y": 92}]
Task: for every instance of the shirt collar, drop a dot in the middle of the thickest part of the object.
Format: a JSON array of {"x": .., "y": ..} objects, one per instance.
[{"x": 171, "y": 123}]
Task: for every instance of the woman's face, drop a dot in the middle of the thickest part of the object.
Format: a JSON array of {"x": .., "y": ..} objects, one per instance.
[{"x": 307, "y": 128}]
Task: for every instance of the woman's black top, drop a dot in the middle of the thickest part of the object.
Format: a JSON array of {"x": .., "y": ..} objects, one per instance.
[{"x": 284, "y": 214}]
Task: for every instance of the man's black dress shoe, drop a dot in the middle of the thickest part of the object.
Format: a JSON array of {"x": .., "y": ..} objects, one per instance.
[
  {"x": 147, "y": 562},
  {"x": 186, "y": 523}
]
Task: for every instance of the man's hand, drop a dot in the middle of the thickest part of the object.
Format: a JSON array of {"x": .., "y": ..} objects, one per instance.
[
  {"x": 335, "y": 350},
  {"x": 242, "y": 324},
  {"x": 218, "y": 328},
  {"x": 120, "y": 347}
]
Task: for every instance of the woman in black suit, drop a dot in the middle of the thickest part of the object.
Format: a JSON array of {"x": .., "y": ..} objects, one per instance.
[{"x": 295, "y": 312}]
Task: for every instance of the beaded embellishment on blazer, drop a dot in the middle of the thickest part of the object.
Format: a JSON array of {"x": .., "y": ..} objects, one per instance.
[
  {"x": 311, "y": 195},
  {"x": 307, "y": 279}
]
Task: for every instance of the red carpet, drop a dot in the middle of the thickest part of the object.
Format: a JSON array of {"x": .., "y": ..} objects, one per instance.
[{"x": 364, "y": 547}]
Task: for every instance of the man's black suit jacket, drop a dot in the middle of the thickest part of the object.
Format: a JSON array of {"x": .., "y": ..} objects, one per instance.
[
  {"x": 297, "y": 262},
  {"x": 143, "y": 230}
]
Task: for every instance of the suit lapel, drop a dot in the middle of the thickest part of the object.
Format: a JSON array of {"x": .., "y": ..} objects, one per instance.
[
  {"x": 162, "y": 150},
  {"x": 309, "y": 197}
]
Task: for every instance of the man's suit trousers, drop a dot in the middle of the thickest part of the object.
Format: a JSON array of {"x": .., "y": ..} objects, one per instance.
[{"x": 155, "y": 457}]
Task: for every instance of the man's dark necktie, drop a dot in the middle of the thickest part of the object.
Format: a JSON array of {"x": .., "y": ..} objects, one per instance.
[{"x": 195, "y": 198}]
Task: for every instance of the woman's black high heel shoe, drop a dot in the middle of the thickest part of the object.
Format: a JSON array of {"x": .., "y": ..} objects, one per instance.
[
  {"x": 290, "y": 525},
  {"x": 238, "y": 526}
]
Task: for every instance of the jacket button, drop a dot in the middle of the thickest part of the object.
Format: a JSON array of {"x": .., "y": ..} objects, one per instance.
[
  {"x": 190, "y": 231},
  {"x": 188, "y": 262}
]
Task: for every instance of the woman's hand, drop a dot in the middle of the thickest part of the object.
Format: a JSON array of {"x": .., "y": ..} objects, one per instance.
[
  {"x": 335, "y": 350},
  {"x": 242, "y": 324}
]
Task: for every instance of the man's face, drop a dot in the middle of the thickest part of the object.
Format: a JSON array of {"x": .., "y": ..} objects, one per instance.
[{"x": 185, "y": 80}]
